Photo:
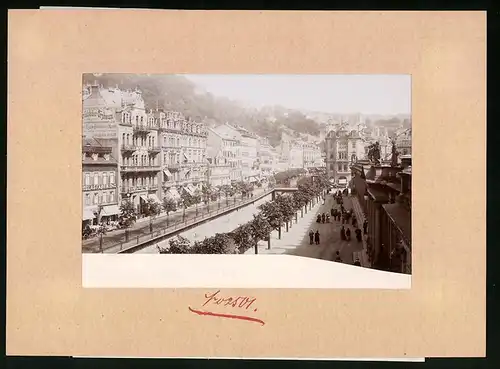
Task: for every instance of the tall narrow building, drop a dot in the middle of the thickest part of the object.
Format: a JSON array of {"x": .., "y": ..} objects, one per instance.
[{"x": 342, "y": 148}]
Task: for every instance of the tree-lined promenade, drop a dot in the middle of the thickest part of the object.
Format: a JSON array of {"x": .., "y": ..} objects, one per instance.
[
  {"x": 170, "y": 213},
  {"x": 276, "y": 215}
]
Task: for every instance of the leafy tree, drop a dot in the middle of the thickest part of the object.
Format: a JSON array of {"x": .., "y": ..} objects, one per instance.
[
  {"x": 260, "y": 229},
  {"x": 221, "y": 243},
  {"x": 128, "y": 216},
  {"x": 300, "y": 199},
  {"x": 242, "y": 236},
  {"x": 286, "y": 206},
  {"x": 207, "y": 192},
  {"x": 228, "y": 191},
  {"x": 169, "y": 205},
  {"x": 271, "y": 212},
  {"x": 177, "y": 245},
  {"x": 152, "y": 210}
]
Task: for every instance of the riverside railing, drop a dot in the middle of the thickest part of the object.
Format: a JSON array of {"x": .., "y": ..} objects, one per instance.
[{"x": 188, "y": 221}]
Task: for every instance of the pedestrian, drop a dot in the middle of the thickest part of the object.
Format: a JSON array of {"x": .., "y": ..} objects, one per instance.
[
  {"x": 358, "y": 234},
  {"x": 331, "y": 212},
  {"x": 348, "y": 234},
  {"x": 365, "y": 226},
  {"x": 354, "y": 221},
  {"x": 316, "y": 237},
  {"x": 323, "y": 217},
  {"x": 337, "y": 257},
  {"x": 357, "y": 263},
  {"x": 327, "y": 218},
  {"x": 342, "y": 233},
  {"x": 311, "y": 237},
  {"x": 318, "y": 219}
]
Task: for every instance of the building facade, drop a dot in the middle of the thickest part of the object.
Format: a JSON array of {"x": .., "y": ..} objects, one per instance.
[
  {"x": 99, "y": 182},
  {"x": 184, "y": 156},
  {"x": 343, "y": 147},
  {"x": 221, "y": 140},
  {"x": 159, "y": 153},
  {"x": 385, "y": 195},
  {"x": 266, "y": 158}
]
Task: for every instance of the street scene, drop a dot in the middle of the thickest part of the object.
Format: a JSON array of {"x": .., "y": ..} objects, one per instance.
[{"x": 248, "y": 164}]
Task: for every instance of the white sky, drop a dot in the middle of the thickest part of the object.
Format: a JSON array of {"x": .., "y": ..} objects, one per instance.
[{"x": 366, "y": 94}]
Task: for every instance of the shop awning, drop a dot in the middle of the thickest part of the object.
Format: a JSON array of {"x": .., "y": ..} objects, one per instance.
[
  {"x": 342, "y": 180},
  {"x": 174, "y": 194},
  {"x": 154, "y": 197},
  {"x": 144, "y": 197},
  {"x": 109, "y": 210},
  {"x": 167, "y": 172},
  {"x": 88, "y": 214},
  {"x": 188, "y": 190}
]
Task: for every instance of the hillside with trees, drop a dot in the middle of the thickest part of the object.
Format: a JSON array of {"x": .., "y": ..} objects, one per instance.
[{"x": 176, "y": 92}]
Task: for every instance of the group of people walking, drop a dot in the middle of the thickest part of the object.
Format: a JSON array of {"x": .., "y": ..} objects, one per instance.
[
  {"x": 340, "y": 214},
  {"x": 313, "y": 237}
]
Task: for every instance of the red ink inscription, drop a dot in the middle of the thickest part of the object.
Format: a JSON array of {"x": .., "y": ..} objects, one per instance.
[{"x": 241, "y": 303}]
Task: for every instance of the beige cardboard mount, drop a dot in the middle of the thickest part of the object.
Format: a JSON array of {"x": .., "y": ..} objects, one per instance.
[{"x": 48, "y": 311}]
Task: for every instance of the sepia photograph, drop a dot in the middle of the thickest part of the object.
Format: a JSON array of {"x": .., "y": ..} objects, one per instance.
[{"x": 308, "y": 166}]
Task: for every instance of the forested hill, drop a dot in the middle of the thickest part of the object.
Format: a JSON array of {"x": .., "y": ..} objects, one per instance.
[{"x": 175, "y": 92}]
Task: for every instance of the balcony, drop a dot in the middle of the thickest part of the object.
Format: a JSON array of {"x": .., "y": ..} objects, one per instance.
[
  {"x": 93, "y": 187},
  {"x": 142, "y": 128},
  {"x": 172, "y": 165},
  {"x": 129, "y": 148},
  {"x": 140, "y": 168},
  {"x": 154, "y": 149},
  {"x": 131, "y": 189}
]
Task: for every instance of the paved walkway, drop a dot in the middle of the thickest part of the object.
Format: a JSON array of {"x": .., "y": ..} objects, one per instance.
[
  {"x": 223, "y": 224},
  {"x": 141, "y": 227},
  {"x": 296, "y": 241}
]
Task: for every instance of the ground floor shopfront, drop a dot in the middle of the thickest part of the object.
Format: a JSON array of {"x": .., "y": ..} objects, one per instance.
[{"x": 99, "y": 214}]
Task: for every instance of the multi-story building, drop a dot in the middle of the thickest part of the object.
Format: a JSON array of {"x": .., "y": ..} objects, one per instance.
[
  {"x": 159, "y": 153},
  {"x": 292, "y": 151},
  {"x": 221, "y": 141},
  {"x": 219, "y": 167},
  {"x": 140, "y": 160},
  {"x": 342, "y": 148},
  {"x": 99, "y": 177},
  {"x": 384, "y": 193},
  {"x": 184, "y": 158},
  {"x": 267, "y": 157},
  {"x": 249, "y": 146},
  {"x": 312, "y": 155}
]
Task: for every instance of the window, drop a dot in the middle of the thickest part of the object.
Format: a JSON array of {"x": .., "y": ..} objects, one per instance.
[
  {"x": 105, "y": 197},
  {"x": 96, "y": 199},
  {"x": 137, "y": 119},
  {"x": 87, "y": 199},
  {"x": 96, "y": 178},
  {"x": 111, "y": 196},
  {"x": 87, "y": 179},
  {"x": 112, "y": 178},
  {"x": 105, "y": 178}
]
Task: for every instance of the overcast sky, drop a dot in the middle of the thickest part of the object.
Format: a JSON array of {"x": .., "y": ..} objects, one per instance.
[{"x": 367, "y": 94}]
